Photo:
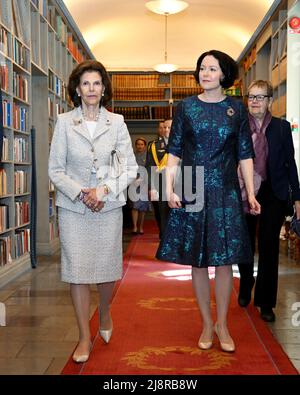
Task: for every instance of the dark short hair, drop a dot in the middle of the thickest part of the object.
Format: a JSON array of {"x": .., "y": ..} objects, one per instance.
[
  {"x": 140, "y": 139},
  {"x": 74, "y": 81},
  {"x": 168, "y": 119},
  {"x": 228, "y": 66}
]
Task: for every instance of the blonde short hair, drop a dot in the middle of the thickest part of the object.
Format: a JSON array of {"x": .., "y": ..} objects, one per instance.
[{"x": 263, "y": 85}]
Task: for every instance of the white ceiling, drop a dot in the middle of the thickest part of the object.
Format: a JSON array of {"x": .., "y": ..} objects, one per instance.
[{"x": 125, "y": 35}]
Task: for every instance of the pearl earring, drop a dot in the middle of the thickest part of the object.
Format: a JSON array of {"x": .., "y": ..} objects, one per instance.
[{"x": 78, "y": 94}]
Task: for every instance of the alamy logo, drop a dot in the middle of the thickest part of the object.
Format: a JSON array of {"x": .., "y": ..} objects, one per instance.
[
  {"x": 296, "y": 315},
  {"x": 2, "y": 314}
]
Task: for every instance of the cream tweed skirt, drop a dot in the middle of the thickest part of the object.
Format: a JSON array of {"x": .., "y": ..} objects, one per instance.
[{"x": 91, "y": 246}]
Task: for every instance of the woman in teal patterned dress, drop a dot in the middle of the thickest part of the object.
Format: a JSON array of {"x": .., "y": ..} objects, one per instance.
[{"x": 210, "y": 131}]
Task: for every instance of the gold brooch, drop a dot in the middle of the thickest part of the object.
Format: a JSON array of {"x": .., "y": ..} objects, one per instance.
[{"x": 230, "y": 112}]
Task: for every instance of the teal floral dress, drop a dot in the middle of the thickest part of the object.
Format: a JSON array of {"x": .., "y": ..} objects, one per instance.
[{"x": 215, "y": 136}]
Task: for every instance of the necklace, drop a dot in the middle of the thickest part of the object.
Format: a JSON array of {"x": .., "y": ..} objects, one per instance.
[{"x": 87, "y": 118}]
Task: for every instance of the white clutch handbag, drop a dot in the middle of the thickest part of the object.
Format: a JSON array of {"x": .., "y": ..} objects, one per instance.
[{"x": 117, "y": 164}]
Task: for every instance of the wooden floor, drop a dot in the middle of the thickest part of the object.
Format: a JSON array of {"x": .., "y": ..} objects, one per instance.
[{"x": 41, "y": 330}]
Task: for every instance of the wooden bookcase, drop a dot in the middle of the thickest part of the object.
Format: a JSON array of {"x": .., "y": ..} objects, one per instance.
[
  {"x": 39, "y": 46},
  {"x": 266, "y": 56},
  {"x": 145, "y": 98},
  {"x": 153, "y": 96},
  {"x": 272, "y": 54}
]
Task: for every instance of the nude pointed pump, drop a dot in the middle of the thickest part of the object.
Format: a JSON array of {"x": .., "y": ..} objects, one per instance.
[
  {"x": 227, "y": 347},
  {"x": 106, "y": 334},
  {"x": 205, "y": 345}
]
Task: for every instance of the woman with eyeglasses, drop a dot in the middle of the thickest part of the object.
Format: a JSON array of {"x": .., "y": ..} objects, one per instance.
[{"x": 275, "y": 173}]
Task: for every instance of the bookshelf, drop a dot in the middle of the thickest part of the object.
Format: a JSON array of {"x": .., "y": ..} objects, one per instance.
[
  {"x": 271, "y": 54},
  {"x": 145, "y": 98},
  {"x": 266, "y": 56},
  {"x": 152, "y": 96},
  {"x": 39, "y": 46}
]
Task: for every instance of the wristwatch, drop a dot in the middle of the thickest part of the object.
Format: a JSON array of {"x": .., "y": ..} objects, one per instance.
[{"x": 106, "y": 189}]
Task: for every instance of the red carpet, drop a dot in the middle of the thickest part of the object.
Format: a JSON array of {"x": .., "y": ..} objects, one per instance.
[{"x": 157, "y": 326}]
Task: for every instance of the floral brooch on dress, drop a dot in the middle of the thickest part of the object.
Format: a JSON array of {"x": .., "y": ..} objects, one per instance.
[{"x": 230, "y": 112}]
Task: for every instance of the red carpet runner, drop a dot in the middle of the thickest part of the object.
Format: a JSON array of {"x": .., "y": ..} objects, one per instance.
[{"x": 157, "y": 326}]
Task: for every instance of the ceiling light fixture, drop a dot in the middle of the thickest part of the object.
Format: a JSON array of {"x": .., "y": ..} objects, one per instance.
[{"x": 166, "y": 8}]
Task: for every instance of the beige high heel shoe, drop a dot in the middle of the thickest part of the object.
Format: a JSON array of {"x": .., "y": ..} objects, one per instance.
[
  {"x": 227, "y": 347},
  {"x": 106, "y": 334},
  {"x": 206, "y": 345}
]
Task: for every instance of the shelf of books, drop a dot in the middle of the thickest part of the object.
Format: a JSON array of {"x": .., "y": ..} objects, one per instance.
[
  {"x": 152, "y": 96},
  {"x": 266, "y": 57},
  {"x": 39, "y": 46},
  {"x": 15, "y": 170}
]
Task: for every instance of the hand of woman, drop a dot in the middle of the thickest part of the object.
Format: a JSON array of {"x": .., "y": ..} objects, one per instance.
[
  {"x": 90, "y": 199},
  {"x": 254, "y": 205},
  {"x": 174, "y": 201}
]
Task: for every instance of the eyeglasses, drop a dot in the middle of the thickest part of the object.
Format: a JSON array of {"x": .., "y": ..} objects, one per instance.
[{"x": 257, "y": 97}]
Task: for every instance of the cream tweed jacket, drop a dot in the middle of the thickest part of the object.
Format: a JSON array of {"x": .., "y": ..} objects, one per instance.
[{"x": 74, "y": 153}]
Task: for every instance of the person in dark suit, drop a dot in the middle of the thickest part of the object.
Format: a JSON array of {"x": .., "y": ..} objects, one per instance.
[
  {"x": 160, "y": 133},
  {"x": 275, "y": 173},
  {"x": 155, "y": 164}
]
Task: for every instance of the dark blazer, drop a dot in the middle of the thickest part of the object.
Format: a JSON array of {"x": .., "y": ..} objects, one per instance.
[
  {"x": 281, "y": 163},
  {"x": 1, "y": 126}
]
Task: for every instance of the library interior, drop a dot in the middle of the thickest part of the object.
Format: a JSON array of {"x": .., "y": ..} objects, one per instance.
[{"x": 41, "y": 42}]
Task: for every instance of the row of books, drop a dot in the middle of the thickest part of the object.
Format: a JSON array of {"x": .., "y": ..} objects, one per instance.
[
  {"x": 6, "y": 109},
  {"x": 145, "y": 112},
  {"x": 5, "y": 250},
  {"x": 5, "y": 148},
  {"x": 184, "y": 81},
  {"x": 59, "y": 108},
  {"x": 4, "y": 76},
  {"x": 140, "y": 94},
  {"x": 181, "y": 93},
  {"x": 4, "y": 217},
  {"x": 250, "y": 59},
  {"x": 22, "y": 242},
  {"x": 21, "y": 246},
  {"x": 137, "y": 81},
  {"x": 56, "y": 85},
  {"x": 20, "y": 118},
  {"x": 5, "y": 43},
  {"x": 21, "y": 213},
  {"x": 17, "y": 23},
  {"x": 21, "y": 149},
  {"x": 74, "y": 49},
  {"x": 21, "y": 182},
  {"x": 21, "y": 54},
  {"x": 20, "y": 86},
  {"x": 41, "y": 5},
  {"x": 3, "y": 182}
]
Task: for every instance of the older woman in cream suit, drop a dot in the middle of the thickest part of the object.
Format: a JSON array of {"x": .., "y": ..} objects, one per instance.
[{"x": 91, "y": 163}]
